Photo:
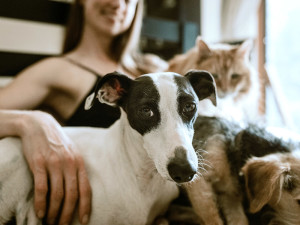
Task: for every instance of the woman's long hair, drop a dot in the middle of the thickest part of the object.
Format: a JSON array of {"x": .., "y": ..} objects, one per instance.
[
  {"x": 124, "y": 46},
  {"x": 74, "y": 27}
]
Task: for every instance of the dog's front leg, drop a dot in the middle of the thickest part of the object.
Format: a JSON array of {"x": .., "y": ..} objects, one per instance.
[
  {"x": 226, "y": 185},
  {"x": 203, "y": 200},
  {"x": 231, "y": 204}
]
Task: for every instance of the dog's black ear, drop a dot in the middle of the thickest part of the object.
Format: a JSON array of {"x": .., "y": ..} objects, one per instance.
[
  {"x": 110, "y": 90},
  {"x": 204, "y": 84}
]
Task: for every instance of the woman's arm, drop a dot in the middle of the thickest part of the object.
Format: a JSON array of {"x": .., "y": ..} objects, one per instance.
[
  {"x": 48, "y": 151},
  {"x": 51, "y": 156},
  {"x": 29, "y": 88}
]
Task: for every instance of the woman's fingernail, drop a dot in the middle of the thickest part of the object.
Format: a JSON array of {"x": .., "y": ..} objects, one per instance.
[
  {"x": 85, "y": 219},
  {"x": 40, "y": 214}
]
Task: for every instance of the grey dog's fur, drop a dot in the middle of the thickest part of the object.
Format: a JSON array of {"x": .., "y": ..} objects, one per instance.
[{"x": 222, "y": 191}]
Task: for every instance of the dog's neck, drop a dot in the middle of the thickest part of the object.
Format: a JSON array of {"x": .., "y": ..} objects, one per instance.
[
  {"x": 144, "y": 171},
  {"x": 134, "y": 149}
]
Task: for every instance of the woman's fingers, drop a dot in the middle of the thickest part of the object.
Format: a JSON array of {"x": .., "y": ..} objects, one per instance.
[
  {"x": 58, "y": 169},
  {"x": 85, "y": 193},
  {"x": 71, "y": 190},
  {"x": 57, "y": 189},
  {"x": 40, "y": 188}
]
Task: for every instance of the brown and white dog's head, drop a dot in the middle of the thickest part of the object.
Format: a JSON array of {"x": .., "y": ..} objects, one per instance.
[
  {"x": 274, "y": 180},
  {"x": 160, "y": 109}
]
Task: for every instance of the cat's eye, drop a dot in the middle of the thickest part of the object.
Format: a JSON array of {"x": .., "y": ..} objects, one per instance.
[
  {"x": 189, "y": 107},
  {"x": 216, "y": 76},
  {"x": 235, "y": 76},
  {"x": 146, "y": 112}
]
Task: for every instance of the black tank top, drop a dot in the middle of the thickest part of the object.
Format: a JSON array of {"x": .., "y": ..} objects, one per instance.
[{"x": 100, "y": 115}]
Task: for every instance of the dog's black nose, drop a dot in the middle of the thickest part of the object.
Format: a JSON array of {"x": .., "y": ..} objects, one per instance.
[
  {"x": 179, "y": 167},
  {"x": 181, "y": 172}
]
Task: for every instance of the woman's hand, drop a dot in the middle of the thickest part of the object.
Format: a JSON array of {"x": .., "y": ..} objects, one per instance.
[{"x": 58, "y": 170}]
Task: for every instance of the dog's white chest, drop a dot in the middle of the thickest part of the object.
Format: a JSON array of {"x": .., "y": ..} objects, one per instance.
[
  {"x": 130, "y": 200},
  {"x": 124, "y": 194}
]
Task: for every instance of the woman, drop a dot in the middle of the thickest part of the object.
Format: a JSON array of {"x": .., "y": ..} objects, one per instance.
[{"x": 105, "y": 39}]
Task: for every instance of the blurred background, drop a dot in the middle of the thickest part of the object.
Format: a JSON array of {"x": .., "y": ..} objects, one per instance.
[{"x": 33, "y": 29}]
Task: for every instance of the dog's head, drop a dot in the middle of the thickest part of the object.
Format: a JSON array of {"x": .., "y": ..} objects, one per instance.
[
  {"x": 161, "y": 108},
  {"x": 274, "y": 180}
]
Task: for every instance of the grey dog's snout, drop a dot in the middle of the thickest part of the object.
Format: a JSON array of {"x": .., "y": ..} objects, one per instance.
[{"x": 179, "y": 168}]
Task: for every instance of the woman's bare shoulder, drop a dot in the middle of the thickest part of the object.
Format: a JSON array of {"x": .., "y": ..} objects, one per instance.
[
  {"x": 46, "y": 69},
  {"x": 46, "y": 65}
]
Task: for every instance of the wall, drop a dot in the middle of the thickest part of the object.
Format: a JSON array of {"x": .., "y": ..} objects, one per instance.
[{"x": 30, "y": 30}]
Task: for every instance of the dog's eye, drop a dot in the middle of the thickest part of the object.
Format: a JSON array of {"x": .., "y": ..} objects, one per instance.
[
  {"x": 298, "y": 201},
  {"x": 189, "y": 107},
  {"x": 146, "y": 112}
]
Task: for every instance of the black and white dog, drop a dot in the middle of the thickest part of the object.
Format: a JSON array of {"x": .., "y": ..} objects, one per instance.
[{"x": 135, "y": 165}]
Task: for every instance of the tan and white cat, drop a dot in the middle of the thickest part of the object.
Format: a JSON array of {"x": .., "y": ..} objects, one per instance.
[{"x": 236, "y": 79}]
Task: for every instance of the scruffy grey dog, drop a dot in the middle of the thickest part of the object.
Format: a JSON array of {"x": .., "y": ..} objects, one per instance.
[{"x": 241, "y": 164}]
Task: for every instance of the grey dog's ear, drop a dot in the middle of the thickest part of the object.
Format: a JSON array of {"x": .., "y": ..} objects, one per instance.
[
  {"x": 204, "y": 84},
  {"x": 110, "y": 90}
]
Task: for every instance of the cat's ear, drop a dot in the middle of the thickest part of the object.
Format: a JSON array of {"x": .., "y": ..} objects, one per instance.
[
  {"x": 203, "y": 49},
  {"x": 245, "y": 49}
]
